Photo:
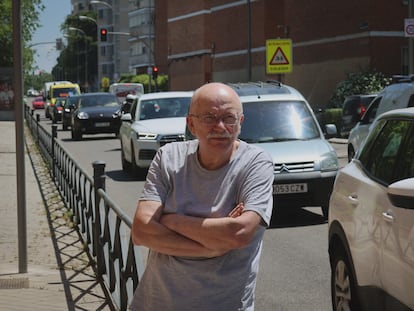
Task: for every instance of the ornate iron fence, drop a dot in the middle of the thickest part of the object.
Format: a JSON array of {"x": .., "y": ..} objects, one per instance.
[{"x": 104, "y": 227}]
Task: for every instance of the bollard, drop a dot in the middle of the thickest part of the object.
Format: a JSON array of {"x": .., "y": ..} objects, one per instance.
[
  {"x": 98, "y": 183},
  {"x": 37, "y": 128},
  {"x": 54, "y": 136}
]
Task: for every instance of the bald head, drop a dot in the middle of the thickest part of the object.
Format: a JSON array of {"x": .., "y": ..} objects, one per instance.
[{"x": 215, "y": 93}]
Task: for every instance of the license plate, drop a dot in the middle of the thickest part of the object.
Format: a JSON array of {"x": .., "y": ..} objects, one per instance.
[
  {"x": 102, "y": 124},
  {"x": 290, "y": 188}
]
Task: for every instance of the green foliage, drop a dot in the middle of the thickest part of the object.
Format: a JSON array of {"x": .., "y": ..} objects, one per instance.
[
  {"x": 36, "y": 81},
  {"x": 330, "y": 116},
  {"x": 30, "y": 22},
  {"x": 81, "y": 50},
  {"x": 162, "y": 81},
  {"x": 365, "y": 82}
]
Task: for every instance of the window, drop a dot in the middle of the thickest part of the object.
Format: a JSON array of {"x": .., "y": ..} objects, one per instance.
[{"x": 388, "y": 155}]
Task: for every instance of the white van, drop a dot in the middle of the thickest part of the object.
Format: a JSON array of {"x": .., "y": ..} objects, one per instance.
[{"x": 394, "y": 96}]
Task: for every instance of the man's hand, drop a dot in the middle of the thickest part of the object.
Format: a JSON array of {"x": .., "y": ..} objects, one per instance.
[{"x": 237, "y": 211}]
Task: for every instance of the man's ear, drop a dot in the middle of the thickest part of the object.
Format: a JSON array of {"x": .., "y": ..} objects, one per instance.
[{"x": 190, "y": 125}]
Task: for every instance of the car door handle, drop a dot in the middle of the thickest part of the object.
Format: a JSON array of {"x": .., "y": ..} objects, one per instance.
[
  {"x": 353, "y": 199},
  {"x": 388, "y": 217}
]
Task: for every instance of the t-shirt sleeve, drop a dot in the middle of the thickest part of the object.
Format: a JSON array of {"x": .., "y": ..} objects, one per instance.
[
  {"x": 257, "y": 186},
  {"x": 156, "y": 184}
]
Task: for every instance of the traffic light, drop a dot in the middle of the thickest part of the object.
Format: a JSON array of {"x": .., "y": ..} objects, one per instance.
[
  {"x": 59, "y": 44},
  {"x": 154, "y": 72},
  {"x": 104, "y": 33}
]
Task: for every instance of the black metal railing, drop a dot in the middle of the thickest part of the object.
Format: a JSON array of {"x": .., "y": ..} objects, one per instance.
[{"x": 104, "y": 227}]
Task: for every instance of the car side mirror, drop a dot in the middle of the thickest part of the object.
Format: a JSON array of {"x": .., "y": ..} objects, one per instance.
[
  {"x": 401, "y": 193},
  {"x": 330, "y": 130},
  {"x": 126, "y": 117}
]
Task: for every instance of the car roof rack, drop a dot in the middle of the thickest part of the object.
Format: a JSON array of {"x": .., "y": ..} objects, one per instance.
[
  {"x": 402, "y": 78},
  {"x": 258, "y": 88}
]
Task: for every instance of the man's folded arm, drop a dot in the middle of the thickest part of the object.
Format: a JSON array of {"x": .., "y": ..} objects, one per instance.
[{"x": 148, "y": 231}]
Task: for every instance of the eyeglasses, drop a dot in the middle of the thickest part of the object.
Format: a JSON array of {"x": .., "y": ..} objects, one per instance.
[{"x": 211, "y": 119}]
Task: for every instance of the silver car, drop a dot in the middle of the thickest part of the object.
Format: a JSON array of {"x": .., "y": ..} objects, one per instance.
[{"x": 280, "y": 120}]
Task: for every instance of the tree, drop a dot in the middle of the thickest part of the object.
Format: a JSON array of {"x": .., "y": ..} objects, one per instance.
[
  {"x": 364, "y": 82},
  {"x": 30, "y": 22},
  {"x": 70, "y": 63}
]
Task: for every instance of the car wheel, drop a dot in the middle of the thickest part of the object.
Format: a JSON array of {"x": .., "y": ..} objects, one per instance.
[
  {"x": 325, "y": 211},
  {"x": 76, "y": 135},
  {"x": 126, "y": 166},
  {"x": 134, "y": 165},
  {"x": 64, "y": 126},
  {"x": 351, "y": 153},
  {"x": 138, "y": 171},
  {"x": 343, "y": 286}
]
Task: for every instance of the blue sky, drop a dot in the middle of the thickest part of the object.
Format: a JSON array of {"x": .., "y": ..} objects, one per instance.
[{"x": 51, "y": 18}]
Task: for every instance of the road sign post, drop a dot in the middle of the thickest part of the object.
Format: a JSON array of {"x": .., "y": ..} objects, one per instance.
[{"x": 278, "y": 56}]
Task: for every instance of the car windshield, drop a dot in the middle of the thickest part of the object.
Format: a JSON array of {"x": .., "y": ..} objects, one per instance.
[
  {"x": 99, "y": 101},
  {"x": 164, "y": 108},
  {"x": 277, "y": 121}
]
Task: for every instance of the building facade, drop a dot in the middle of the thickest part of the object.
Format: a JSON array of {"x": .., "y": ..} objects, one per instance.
[
  {"x": 198, "y": 41},
  {"x": 222, "y": 40}
]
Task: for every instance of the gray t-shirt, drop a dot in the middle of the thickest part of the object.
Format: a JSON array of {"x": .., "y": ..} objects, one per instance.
[{"x": 177, "y": 179}]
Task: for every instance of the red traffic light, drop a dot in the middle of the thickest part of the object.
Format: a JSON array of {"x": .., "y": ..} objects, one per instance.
[
  {"x": 155, "y": 72},
  {"x": 104, "y": 33}
]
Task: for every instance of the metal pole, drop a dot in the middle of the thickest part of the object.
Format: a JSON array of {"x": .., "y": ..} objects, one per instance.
[
  {"x": 249, "y": 42},
  {"x": 19, "y": 124},
  {"x": 54, "y": 136},
  {"x": 410, "y": 40},
  {"x": 98, "y": 183}
]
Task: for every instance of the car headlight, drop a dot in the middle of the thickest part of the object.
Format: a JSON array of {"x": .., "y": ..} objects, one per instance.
[
  {"x": 147, "y": 136},
  {"x": 67, "y": 110},
  {"x": 82, "y": 115},
  {"x": 329, "y": 161}
]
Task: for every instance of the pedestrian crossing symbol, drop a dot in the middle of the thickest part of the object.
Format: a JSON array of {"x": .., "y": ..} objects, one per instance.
[{"x": 278, "y": 56}]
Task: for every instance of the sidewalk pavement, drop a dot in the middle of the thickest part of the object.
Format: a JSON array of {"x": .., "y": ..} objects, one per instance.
[{"x": 59, "y": 276}]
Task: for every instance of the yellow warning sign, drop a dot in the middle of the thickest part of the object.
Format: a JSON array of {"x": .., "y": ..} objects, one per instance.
[{"x": 278, "y": 56}]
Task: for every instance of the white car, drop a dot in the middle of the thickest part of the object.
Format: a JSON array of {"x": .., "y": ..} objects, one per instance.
[
  {"x": 154, "y": 120},
  {"x": 395, "y": 96},
  {"x": 371, "y": 220}
]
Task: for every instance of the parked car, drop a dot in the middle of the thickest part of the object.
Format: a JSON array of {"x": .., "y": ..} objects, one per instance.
[
  {"x": 394, "y": 96},
  {"x": 38, "y": 103},
  {"x": 57, "y": 110},
  {"x": 280, "y": 120},
  {"x": 353, "y": 109},
  {"x": 371, "y": 220},
  {"x": 155, "y": 119},
  {"x": 361, "y": 129},
  {"x": 70, "y": 105},
  {"x": 96, "y": 113},
  {"x": 33, "y": 93}
]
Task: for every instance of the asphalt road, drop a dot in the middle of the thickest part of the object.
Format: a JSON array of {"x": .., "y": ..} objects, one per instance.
[{"x": 294, "y": 273}]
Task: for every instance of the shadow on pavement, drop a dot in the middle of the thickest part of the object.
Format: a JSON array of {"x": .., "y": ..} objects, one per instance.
[
  {"x": 297, "y": 217},
  {"x": 83, "y": 290}
]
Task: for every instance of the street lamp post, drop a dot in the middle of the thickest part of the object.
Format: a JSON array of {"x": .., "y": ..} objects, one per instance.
[
  {"x": 90, "y": 19},
  {"x": 86, "y": 53},
  {"x": 106, "y": 4}
]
